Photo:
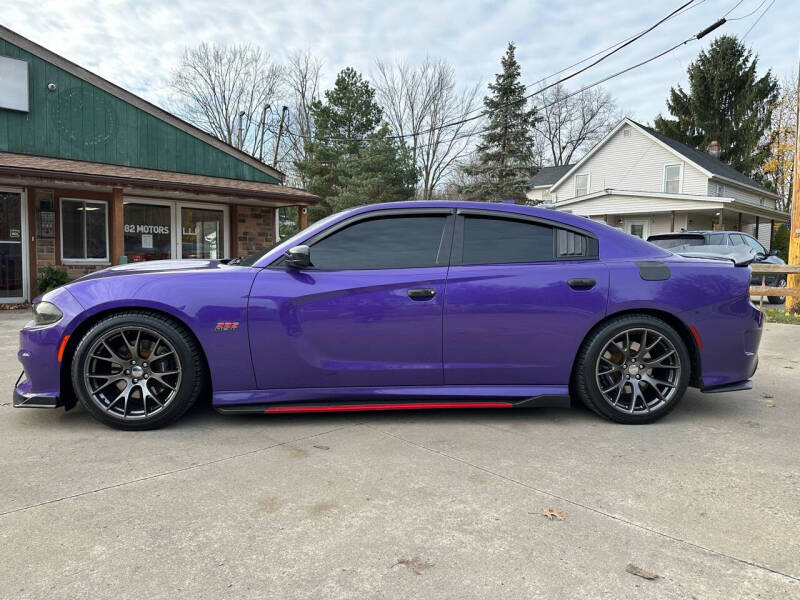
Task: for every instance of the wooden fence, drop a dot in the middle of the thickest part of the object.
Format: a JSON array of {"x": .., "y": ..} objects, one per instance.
[{"x": 763, "y": 290}]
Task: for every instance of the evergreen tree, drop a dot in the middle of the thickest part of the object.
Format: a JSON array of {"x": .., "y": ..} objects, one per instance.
[
  {"x": 351, "y": 160},
  {"x": 505, "y": 154},
  {"x": 726, "y": 102}
]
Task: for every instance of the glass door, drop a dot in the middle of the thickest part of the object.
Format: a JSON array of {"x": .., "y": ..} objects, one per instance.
[
  {"x": 12, "y": 252},
  {"x": 202, "y": 232}
]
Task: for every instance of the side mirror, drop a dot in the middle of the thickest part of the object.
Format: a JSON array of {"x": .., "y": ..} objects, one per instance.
[
  {"x": 298, "y": 257},
  {"x": 773, "y": 252}
]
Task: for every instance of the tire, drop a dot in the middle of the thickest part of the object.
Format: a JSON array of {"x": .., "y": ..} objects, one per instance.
[
  {"x": 110, "y": 370},
  {"x": 645, "y": 389},
  {"x": 778, "y": 299}
]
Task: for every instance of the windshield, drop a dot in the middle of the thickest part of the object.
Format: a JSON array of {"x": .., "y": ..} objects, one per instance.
[
  {"x": 675, "y": 241},
  {"x": 255, "y": 257}
]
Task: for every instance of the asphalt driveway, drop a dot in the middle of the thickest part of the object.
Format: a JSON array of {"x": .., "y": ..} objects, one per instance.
[{"x": 408, "y": 505}]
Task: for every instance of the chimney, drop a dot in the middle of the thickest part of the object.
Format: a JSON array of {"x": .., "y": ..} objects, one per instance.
[{"x": 714, "y": 149}]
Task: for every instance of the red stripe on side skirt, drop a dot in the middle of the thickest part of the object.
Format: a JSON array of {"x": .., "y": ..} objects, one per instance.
[{"x": 407, "y": 406}]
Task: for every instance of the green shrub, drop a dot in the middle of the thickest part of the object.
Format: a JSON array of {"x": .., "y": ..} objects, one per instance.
[
  {"x": 780, "y": 242},
  {"x": 51, "y": 279}
]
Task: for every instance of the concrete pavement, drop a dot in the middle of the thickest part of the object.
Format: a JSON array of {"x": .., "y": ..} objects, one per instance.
[{"x": 408, "y": 505}]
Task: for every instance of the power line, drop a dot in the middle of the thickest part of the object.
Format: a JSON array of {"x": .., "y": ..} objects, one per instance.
[
  {"x": 754, "y": 11},
  {"x": 757, "y": 20}
]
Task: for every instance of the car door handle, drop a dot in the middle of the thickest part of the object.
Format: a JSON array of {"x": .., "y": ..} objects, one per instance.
[
  {"x": 581, "y": 283},
  {"x": 421, "y": 293}
]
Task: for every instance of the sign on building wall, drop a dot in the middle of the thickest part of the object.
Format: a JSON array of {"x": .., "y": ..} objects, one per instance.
[{"x": 13, "y": 84}]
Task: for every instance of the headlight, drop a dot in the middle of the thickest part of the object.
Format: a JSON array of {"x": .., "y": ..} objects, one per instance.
[{"x": 46, "y": 313}]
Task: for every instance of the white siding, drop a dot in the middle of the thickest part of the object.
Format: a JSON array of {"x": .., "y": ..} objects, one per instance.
[
  {"x": 538, "y": 195},
  {"x": 633, "y": 163},
  {"x": 743, "y": 195}
]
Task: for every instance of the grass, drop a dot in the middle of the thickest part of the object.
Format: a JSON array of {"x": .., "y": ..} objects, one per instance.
[{"x": 777, "y": 315}]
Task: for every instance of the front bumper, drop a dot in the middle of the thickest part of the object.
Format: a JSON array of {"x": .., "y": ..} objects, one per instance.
[{"x": 25, "y": 398}]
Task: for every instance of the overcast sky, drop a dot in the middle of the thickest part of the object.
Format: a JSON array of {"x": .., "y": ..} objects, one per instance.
[{"x": 138, "y": 43}]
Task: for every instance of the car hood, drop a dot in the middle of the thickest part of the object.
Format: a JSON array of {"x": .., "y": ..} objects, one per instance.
[{"x": 155, "y": 266}]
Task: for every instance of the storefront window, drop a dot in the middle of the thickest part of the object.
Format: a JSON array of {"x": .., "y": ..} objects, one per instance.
[
  {"x": 83, "y": 230},
  {"x": 147, "y": 232},
  {"x": 202, "y": 233}
]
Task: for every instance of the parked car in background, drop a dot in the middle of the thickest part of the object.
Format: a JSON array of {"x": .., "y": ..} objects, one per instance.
[
  {"x": 351, "y": 314},
  {"x": 720, "y": 240}
]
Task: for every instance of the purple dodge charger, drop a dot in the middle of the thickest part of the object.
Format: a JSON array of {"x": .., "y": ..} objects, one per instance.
[{"x": 410, "y": 305}]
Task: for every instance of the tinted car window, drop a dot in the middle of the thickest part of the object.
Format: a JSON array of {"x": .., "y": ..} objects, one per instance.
[
  {"x": 736, "y": 239},
  {"x": 490, "y": 240},
  {"x": 716, "y": 239},
  {"x": 755, "y": 245},
  {"x": 383, "y": 243},
  {"x": 677, "y": 240}
]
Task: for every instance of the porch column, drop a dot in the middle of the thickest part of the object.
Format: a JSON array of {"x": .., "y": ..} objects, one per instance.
[
  {"x": 302, "y": 217},
  {"x": 672, "y": 221},
  {"x": 720, "y": 223},
  {"x": 771, "y": 233},
  {"x": 116, "y": 230},
  {"x": 757, "y": 228},
  {"x": 740, "y": 222}
]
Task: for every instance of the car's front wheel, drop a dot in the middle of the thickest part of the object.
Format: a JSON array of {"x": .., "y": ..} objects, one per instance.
[
  {"x": 137, "y": 370},
  {"x": 632, "y": 369}
]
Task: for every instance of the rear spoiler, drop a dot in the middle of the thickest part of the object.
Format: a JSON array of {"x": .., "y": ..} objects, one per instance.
[{"x": 738, "y": 259}]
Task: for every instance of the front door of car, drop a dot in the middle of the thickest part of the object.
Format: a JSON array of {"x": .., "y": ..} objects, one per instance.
[
  {"x": 368, "y": 312},
  {"x": 521, "y": 296}
]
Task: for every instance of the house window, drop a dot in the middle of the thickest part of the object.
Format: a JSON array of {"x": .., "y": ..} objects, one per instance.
[
  {"x": 717, "y": 189},
  {"x": 581, "y": 184},
  {"x": 672, "y": 179},
  {"x": 84, "y": 230},
  {"x": 626, "y": 132}
]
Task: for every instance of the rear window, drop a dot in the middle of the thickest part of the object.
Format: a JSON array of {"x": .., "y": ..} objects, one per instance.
[{"x": 673, "y": 241}]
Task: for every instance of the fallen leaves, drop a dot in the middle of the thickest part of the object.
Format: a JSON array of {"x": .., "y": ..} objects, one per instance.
[
  {"x": 771, "y": 404},
  {"x": 639, "y": 572},
  {"x": 415, "y": 565},
  {"x": 765, "y": 395},
  {"x": 552, "y": 513}
]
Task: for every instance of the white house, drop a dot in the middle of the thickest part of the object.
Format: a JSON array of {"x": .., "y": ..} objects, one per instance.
[{"x": 646, "y": 183}]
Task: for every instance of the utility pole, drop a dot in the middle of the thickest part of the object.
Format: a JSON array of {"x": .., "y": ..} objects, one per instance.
[
  {"x": 263, "y": 128},
  {"x": 793, "y": 281},
  {"x": 278, "y": 140}
]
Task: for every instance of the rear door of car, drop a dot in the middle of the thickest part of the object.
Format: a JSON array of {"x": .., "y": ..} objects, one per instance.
[
  {"x": 367, "y": 313},
  {"x": 521, "y": 295}
]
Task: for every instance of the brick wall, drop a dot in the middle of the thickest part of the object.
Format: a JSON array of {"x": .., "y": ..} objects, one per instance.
[{"x": 255, "y": 229}]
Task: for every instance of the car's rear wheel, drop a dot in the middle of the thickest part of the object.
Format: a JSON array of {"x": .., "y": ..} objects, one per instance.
[
  {"x": 632, "y": 369},
  {"x": 137, "y": 370},
  {"x": 778, "y": 299}
]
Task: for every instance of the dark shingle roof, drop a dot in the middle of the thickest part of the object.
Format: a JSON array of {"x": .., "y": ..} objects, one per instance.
[
  {"x": 549, "y": 175},
  {"x": 705, "y": 160}
]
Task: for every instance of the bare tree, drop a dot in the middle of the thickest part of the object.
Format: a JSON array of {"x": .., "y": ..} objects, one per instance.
[
  {"x": 424, "y": 103},
  {"x": 301, "y": 79},
  {"x": 225, "y": 90},
  {"x": 571, "y": 124}
]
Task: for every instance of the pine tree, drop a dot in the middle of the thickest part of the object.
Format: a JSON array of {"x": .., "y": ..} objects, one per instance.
[
  {"x": 726, "y": 102},
  {"x": 352, "y": 160},
  {"x": 505, "y": 154}
]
